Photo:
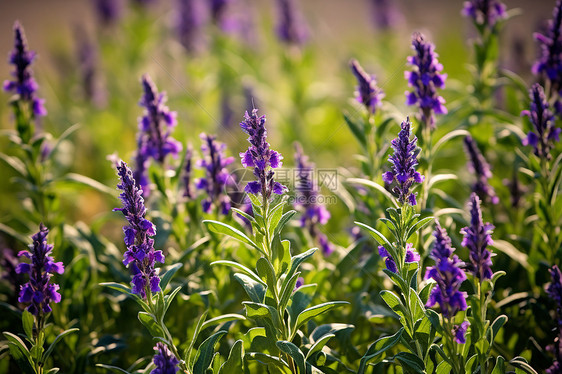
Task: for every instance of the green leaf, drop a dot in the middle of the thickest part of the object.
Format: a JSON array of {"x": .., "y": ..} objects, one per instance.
[
  {"x": 263, "y": 311},
  {"x": 314, "y": 311},
  {"x": 434, "y": 319},
  {"x": 288, "y": 291},
  {"x": 148, "y": 320},
  {"x": 266, "y": 271},
  {"x": 270, "y": 360},
  {"x": 235, "y": 361},
  {"x": 187, "y": 358},
  {"x": 118, "y": 287},
  {"x": 374, "y": 185},
  {"x": 496, "y": 326},
  {"x": 285, "y": 218},
  {"x": 255, "y": 290},
  {"x": 377, "y": 348},
  {"x": 319, "y": 345},
  {"x": 521, "y": 363},
  {"x": 113, "y": 369},
  {"x": 280, "y": 254},
  {"x": 15, "y": 163},
  {"x": 397, "y": 280},
  {"x": 27, "y": 321},
  {"x": 52, "y": 371},
  {"x": 380, "y": 238},
  {"x": 206, "y": 351},
  {"x": 223, "y": 228},
  {"x": 356, "y": 130},
  {"x": 223, "y": 319},
  {"x": 510, "y": 250},
  {"x": 411, "y": 362},
  {"x": 275, "y": 215},
  {"x": 78, "y": 179},
  {"x": 397, "y": 307},
  {"x": 20, "y": 353},
  {"x": 293, "y": 351},
  {"x": 242, "y": 268},
  {"x": 243, "y": 214},
  {"x": 169, "y": 298},
  {"x": 444, "y": 368},
  {"x": 54, "y": 343},
  {"x": 296, "y": 261},
  {"x": 500, "y": 366},
  {"x": 448, "y": 137},
  {"x": 425, "y": 291},
  {"x": 470, "y": 363},
  {"x": 168, "y": 275},
  {"x": 418, "y": 226}
]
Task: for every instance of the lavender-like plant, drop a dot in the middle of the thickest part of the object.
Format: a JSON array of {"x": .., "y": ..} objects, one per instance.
[
  {"x": 477, "y": 237},
  {"x": 549, "y": 64},
  {"x": 554, "y": 290},
  {"x": 410, "y": 257},
  {"x": 385, "y": 15},
  {"x": 186, "y": 177},
  {"x": 138, "y": 236},
  {"x": 189, "y": 20},
  {"x": 291, "y": 28},
  {"x": 108, "y": 11},
  {"x": 424, "y": 78},
  {"x": 306, "y": 199},
  {"x": 404, "y": 161},
  {"x": 484, "y": 13},
  {"x": 165, "y": 361},
  {"x": 367, "y": 92},
  {"x": 481, "y": 170},
  {"x": 217, "y": 177},
  {"x": 545, "y": 132}
]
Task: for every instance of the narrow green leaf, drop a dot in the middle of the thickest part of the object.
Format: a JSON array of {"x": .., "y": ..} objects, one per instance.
[
  {"x": 443, "y": 368},
  {"x": 411, "y": 362},
  {"x": 285, "y": 218},
  {"x": 270, "y": 360},
  {"x": 500, "y": 366},
  {"x": 314, "y": 311},
  {"x": 27, "y": 320},
  {"x": 296, "y": 261},
  {"x": 148, "y": 320},
  {"x": 243, "y": 214},
  {"x": 168, "y": 275},
  {"x": 223, "y": 228},
  {"x": 206, "y": 351},
  {"x": 78, "y": 179},
  {"x": 374, "y": 185},
  {"x": 256, "y": 291},
  {"x": 54, "y": 343},
  {"x": 15, "y": 163},
  {"x": 296, "y": 354},
  {"x": 397, "y": 307},
  {"x": 235, "y": 361},
  {"x": 169, "y": 298},
  {"x": 418, "y": 226},
  {"x": 20, "y": 353},
  {"x": 113, "y": 369},
  {"x": 356, "y": 130},
  {"x": 223, "y": 319},
  {"x": 380, "y": 238},
  {"x": 379, "y": 347},
  {"x": 319, "y": 345},
  {"x": 189, "y": 350},
  {"x": 288, "y": 291},
  {"x": 521, "y": 363},
  {"x": 242, "y": 268}
]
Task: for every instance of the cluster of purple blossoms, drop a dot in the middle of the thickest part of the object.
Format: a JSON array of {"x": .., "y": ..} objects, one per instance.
[
  {"x": 291, "y": 28},
  {"x": 549, "y": 65},
  {"x": 546, "y": 133},
  {"x": 155, "y": 126},
  {"x": 39, "y": 291},
  {"x": 425, "y": 78},
  {"x": 260, "y": 157},
  {"x": 411, "y": 256},
  {"x": 477, "y": 237},
  {"x": 554, "y": 290},
  {"x": 217, "y": 176},
  {"x": 481, "y": 169},
  {"x": 24, "y": 84},
  {"x": 449, "y": 276},
  {"x": 314, "y": 213},
  {"x": 385, "y": 14},
  {"x": 190, "y": 16},
  {"x": 108, "y": 11},
  {"x": 140, "y": 246},
  {"x": 367, "y": 92},
  {"x": 485, "y": 12},
  {"x": 404, "y": 161},
  {"x": 165, "y": 361},
  {"x": 186, "y": 177}
]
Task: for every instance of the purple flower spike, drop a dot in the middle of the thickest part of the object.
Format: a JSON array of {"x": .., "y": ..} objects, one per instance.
[
  {"x": 554, "y": 290},
  {"x": 481, "y": 169},
  {"x": 477, "y": 237},
  {"x": 367, "y": 92},
  {"x": 385, "y": 14},
  {"x": 23, "y": 83},
  {"x": 410, "y": 256},
  {"x": 549, "y": 65},
  {"x": 485, "y": 12},
  {"x": 165, "y": 361},
  {"x": 187, "y": 192},
  {"x": 217, "y": 177},
  {"x": 546, "y": 133},
  {"x": 260, "y": 157},
  {"x": 448, "y": 274},
  {"x": 404, "y": 161},
  {"x": 190, "y": 19},
  {"x": 39, "y": 291},
  {"x": 424, "y": 79},
  {"x": 291, "y": 28},
  {"x": 108, "y": 11},
  {"x": 138, "y": 235},
  {"x": 459, "y": 332}
]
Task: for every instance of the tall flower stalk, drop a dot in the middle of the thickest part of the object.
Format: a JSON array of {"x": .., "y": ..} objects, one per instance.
[{"x": 481, "y": 169}]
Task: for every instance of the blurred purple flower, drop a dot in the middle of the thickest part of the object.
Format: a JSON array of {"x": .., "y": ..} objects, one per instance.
[
  {"x": 190, "y": 17},
  {"x": 88, "y": 67},
  {"x": 24, "y": 84},
  {"x": 459, "y": 332},
  {"x": 216, "y": 177},
  {"x": 554, "y": 290},
  {"x": 448, "y": 274},
  {"x": 549, "y": 65},
  {"x": 476, "y": 238},
  {"x": 260, "y": 157},
  {"x": 485, "y": 13},
  {"x": 425, "y": 78},
  {"x": 404, "y": 161},
  {"x": 410, "y": 256},
  {"x": 108, "y": 11},
  {"x": 516, "y": 191},
  {"x": 481, "y": 169},
  {"x": 39, "y": 291},
  {"x": 291, "y": 27},
  {"x": 546, "y": 133},
  {"x": 186, "y": 177},
  {"x": 299, "y": 284},
  {"x": 367, "y": 92},
  {"x": 165, "y": 361},
  {"x": 140, "y": 246},
  {"x": 385, "y": 14}
]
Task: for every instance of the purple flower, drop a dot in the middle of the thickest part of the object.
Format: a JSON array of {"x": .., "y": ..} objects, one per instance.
[
  {"x": 448, "y": 274},
  {"x": 299, "y": 284},
  {"x": 39, "y": 291},
  {"x": 385, "y": 14},
  {"x": 108, "y": 11},
  {"x": 23, "y": 83},
  {"x": 549, "y": 65},
  {"x": 459, "y": 332},
  {"x": 484, "y": 12},
  {"x": 140, "y": 246},
  {"x": 410, "y": 256},
  {"x": 165, "y": 361},
  {"x": 424, "y": 79},
  {"x": 155, "y": 126},
  {"x": 291, "y": 28},
  {"x": 216, "y": 177},
  {"x": 187, "y": 192},
  {"x": 190, "y": 17},
  {"x": 546, "y": 133},
  {"x": 404, "y": 161},
  {"x": 476, "y": 238},
  {"x": 260, "y": 157},
  {"x": 554, "y": 290},
  {"x": 367, "y": 92},
  {"x": 481, "y": 169}
]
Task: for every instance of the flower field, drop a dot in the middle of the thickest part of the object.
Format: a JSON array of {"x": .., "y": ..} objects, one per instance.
[{"x": 243, "y": 186}]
